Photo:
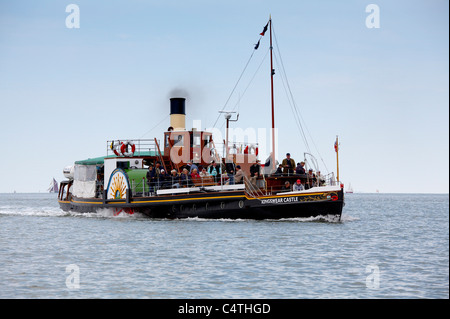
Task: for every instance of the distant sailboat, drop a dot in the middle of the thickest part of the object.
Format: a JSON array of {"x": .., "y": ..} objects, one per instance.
[
  {"x": 350, "y": 188},
  {"x": 53, "y": 187}
]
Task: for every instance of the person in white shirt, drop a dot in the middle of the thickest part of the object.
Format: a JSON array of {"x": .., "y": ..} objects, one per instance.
[{"x": 298, "y": 186}]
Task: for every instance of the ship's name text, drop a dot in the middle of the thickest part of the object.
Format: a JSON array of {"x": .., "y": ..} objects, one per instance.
[{"x": 279, "y": 200}]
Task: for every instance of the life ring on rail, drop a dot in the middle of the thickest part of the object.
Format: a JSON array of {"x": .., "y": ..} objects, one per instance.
[
  {"x": 251, "y": 149},
  {"x": 124, "y": 149},
  {"x": 115, "y": 146}
]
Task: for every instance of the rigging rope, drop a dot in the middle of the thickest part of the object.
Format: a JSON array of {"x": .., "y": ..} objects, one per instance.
[
  {"x": 297, "y": 115},
  {"x": 249, "y": 83},
  {"x": 234, "y": 88},
  {"x": 159, "y": 123}
]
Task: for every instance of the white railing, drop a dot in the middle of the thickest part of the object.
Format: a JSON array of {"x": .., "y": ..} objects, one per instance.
[{"x": 141, "y": 147}]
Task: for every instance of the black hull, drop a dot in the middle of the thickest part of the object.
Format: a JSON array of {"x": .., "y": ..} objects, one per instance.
[{"x": 229, "y": 205}]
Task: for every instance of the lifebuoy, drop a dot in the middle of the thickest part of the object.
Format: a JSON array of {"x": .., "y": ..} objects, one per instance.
[
  {"x": 249, "y": 150},
  {"x": 115, "y": 146},
  {"x": 124, "y": 149},
  {"x": 253, "y": 149}
]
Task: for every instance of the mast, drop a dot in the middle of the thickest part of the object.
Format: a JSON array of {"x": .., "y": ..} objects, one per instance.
[
  {"x": 336, "y": 148},
  {"x": 272, "y": 72}
]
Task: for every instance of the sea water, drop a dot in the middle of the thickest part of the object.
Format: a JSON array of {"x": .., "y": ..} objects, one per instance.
[{"x": 385, "y": 246}]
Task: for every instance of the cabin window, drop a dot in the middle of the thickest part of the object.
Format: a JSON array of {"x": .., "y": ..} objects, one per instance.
[
  {"x": 166, "y": 140},
  {"x": 179, "y": 140},
  {"x": 197, "y": 140},
  {"x": 85, "y": 173},
  {"x": 207, "y": 140},
  {"x": 123, "y": 165}
]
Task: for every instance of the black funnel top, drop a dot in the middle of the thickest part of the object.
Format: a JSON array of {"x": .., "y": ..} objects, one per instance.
[{"x": 177, "y": 105}]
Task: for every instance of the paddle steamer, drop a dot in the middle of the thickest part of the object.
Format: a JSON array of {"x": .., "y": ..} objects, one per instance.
[{"x": 119, "y": 180}]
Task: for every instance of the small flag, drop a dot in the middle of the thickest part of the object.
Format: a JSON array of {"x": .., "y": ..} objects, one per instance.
[
  {"x": 335, "y": 146},
  {"x": 257, "y": 45},
  {"x": 265, "y": 29}
]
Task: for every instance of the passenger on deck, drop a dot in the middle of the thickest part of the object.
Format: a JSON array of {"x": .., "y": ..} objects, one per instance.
[
  {"x": 193, "y": 166},
  {"x": 286, "y": 187},
  {"x": 157, "y": 169},
  {"x": 164, "y": 182},
  {"x": 175, "y": 179},
  {"x": 185, "y": 178},
  {"x": 214, "y": 170},
  {"x": 298, "y": 186},
  {"x": 157, "y": 173},
  {"x": 239, "y": 177},
  {"x": 195, "y": 174},
  {"x": 204, "y": 173},
  {"x": 311, "y": 178},
  {"x": 279, "y": 171},
  {"x": 188, "y": 166},
  {"x": 320, "y": 179},
  {"x": 300, "y": 169},
  {"x": 150, "y": 177},
  {"x": 288, "y": 165},
  {"x": 255, "y": 171},
  {"x": 230, "y": 167}
]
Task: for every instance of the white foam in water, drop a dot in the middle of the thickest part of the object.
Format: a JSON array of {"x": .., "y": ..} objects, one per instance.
[
  {"x": 113, "y": 213},
  {"x": 57, "y": 212},
  {"x": 29, "y": 211},
  {"x": 348, "y": 218}
]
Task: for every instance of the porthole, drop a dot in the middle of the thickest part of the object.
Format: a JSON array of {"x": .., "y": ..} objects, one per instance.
[
  {"x": 241, "y": 203},
  {"x": 194, "y": 208},
  {"x": 222, "y": 205}
]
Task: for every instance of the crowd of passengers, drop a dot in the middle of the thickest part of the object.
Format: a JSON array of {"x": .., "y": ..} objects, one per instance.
[{"x": 158, "y": 178}]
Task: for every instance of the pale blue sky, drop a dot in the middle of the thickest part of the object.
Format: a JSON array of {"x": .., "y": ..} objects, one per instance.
[{"x": 65, "y": 92}]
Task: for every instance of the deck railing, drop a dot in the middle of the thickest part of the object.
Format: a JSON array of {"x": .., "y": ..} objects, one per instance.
[
  {"x": 141, "y": 147},
  {"x": 254, "y": 187}
]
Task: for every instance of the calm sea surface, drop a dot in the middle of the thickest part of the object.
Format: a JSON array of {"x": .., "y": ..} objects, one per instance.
[{"x": 386, "y": 246}]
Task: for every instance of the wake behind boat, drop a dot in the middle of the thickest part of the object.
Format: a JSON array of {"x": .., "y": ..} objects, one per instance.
[{"x": 187, "y": 176}]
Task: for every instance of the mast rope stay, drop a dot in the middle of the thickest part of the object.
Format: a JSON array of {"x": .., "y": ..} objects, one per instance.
[
  {"x": 234, "y": 88},
  {"x": 250, "y": 82},
  {"x": 256, "y": 46},
  {"x": 159, "y": 123},
  {"x": 297, "y": 115}
]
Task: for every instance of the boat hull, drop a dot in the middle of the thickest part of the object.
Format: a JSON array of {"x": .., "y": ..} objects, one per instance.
[{"x": 232, "y": 205}]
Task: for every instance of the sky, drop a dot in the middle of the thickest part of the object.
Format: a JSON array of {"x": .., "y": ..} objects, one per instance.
[{"x": 378, "y": 79}]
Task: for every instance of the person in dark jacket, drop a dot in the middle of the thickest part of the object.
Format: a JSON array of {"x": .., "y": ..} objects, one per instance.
[
  {"x": 174, "y": 179},
  {"x": 279, "y": 171},
  {"x": 255, "y": 169},
  {"x": 286, "y": 187},
  {"x": 288, "y": 165},
  {"x": 300, "y": 169},
  {"x": 151, "y": 177},
  {"x": 230, "y": 167},
  {"x": 185, "y": 178}
]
